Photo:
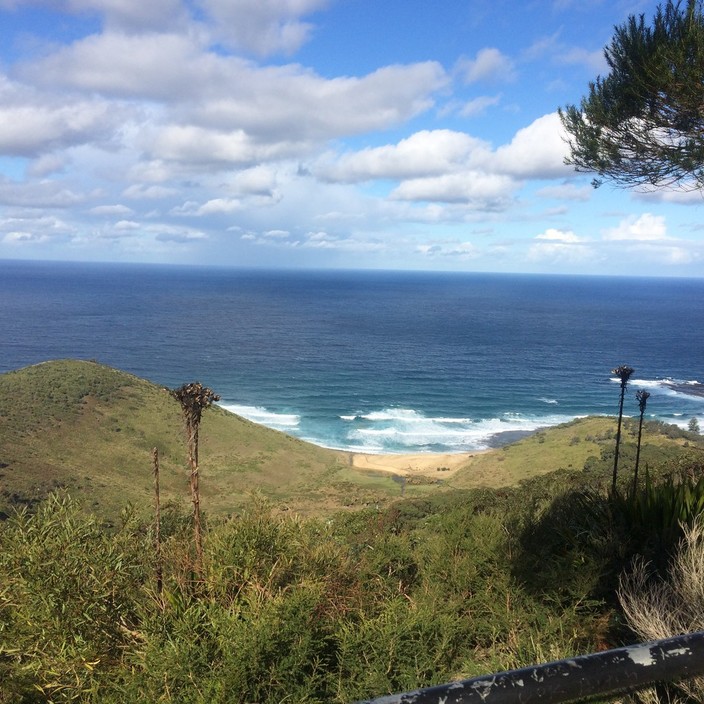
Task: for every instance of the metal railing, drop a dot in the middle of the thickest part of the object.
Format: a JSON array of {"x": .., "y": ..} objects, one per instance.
[{"x": 601, "y": 674}]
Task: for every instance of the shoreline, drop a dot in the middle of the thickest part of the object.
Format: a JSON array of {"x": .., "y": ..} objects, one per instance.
[{"x": 442, "y": 464}]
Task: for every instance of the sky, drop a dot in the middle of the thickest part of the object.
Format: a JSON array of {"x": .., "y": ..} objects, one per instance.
[{"x": 379, "y": 134}]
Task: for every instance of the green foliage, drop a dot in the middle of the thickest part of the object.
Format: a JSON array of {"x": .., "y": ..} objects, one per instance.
[
  {"x": 68, "y": 603},
  {"x": 657, "y": 511},
  {"x": 287, "y": 610},
  {"x": 642, "y": 124}
]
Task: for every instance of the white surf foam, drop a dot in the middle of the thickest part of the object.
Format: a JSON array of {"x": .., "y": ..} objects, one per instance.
[
  {"x": 404, "y": 430},
  {"x": 691, "y": 389},
  {"x": 257, "y": 414}
]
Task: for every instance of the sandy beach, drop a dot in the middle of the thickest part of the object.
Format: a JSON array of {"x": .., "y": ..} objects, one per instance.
[{"x": 407, "y": 465}]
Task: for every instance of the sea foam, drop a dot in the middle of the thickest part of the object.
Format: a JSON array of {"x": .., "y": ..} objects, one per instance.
[
  {"x": 398, "y": 430},
  {"x": 277, "y": 421}
]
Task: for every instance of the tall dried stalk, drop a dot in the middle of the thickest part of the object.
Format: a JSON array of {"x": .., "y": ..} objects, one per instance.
[
  {"x": 624, "y": 374},
  {"x": 642, "y": 398},
  {"x": 159, "y": 569},
  {"x": 194, "y": 399}
]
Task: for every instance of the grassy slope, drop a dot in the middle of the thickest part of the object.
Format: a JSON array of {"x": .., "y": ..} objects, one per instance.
[{"x": 91, "y": 429}]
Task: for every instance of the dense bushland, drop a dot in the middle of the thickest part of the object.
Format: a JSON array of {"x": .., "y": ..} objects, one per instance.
[
  {"x": 337, "y": 609},
  {"x": 286, "y": 610}
]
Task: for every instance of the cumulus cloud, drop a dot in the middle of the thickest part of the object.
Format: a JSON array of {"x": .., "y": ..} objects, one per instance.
[
  {"x": 424, "y": 153},
  {"x": 489, "y": 65},
  {"x": 454, "y": 167},
  {"x": 478, "y": 190},
  {"x": 566, "y": 191},
  {"x": 34, "y": 230},
  {"x": 33, "y": 122},
  {"x": 450, "y": 166},
  {"x": 19, "y": 237},
  {"x": 40, "y": 194},
  {"x": 536, "y": 151},
  {"x": 457, "y": 250},
  {"x": 646, "y": 237},
  {"x": 155, "y": 65},
  {"x": 478, "y": 106},
  {"x": 141, "y": 191},
  {"x": 116, "y": 209},
  {"x": 263, "y": 27},
  {"x": 227, "y": 94},
  {"x": 176, "y": 235},
  {"x": 133, "y": 15},
  {"x": 646, "y": 227},
  {"x": 593, "y": 61},
  {"x": 556, "y": 246},
  {"x": 558, "y": 236}
]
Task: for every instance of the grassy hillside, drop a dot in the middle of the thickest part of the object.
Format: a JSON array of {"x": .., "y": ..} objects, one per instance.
[
  {"x": 90, "y": 429},
  {"x": 451, "y": 582}
]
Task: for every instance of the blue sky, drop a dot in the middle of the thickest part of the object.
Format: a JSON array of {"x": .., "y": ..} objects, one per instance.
[{"x": 402, "y": 134}]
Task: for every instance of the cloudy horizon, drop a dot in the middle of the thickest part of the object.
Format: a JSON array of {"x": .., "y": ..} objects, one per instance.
[{"x": 318, "y": 134}]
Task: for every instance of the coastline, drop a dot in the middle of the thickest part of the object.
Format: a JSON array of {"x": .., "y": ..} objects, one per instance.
[{"x": 427, "y": 465}]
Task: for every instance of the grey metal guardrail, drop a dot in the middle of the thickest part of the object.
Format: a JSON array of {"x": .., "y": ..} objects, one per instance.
[{"x": 574, "y": 679}]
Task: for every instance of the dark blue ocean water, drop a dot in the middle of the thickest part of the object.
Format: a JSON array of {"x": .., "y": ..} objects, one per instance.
[{"x": 375, "y": 361}]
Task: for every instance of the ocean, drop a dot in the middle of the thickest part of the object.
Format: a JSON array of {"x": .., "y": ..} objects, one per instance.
[{"x": 372, "y": 361}]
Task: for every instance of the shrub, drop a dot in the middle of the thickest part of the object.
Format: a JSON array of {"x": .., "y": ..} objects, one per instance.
[
  {"x": 657, "y": 607},
  {"x": 69, "y": 601}
]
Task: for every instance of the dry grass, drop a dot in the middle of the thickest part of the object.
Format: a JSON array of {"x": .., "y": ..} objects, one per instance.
[{"x": 658, "y": 608}]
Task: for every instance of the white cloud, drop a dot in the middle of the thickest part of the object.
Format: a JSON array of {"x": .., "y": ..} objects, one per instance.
[
  {"x": 260, "y": 180},
  {"x": 458, "y": 250},
  {"x": 31, "y": 122},
  {"x": 140, "y": 191},
  {"x": 199, "y": 146},
  {"x": 567, "y": 192},
  {"x": 536, "y": 151},
  {"x": 46, "y": 164},
  {"x": 177, "y": 235},
  {"x": 593, "y": 61},
  {"x": 277, "y": 234},
  {"x": 116, "y": 209},
  {"x": 478, "y": 190},
  {"x": 552, "y": 234},
  {"x": 219, "y": 205},
  {"x": 489, "y": 65},
  {"x": 561, "y": 247},
  {"x": 133, "y": 14},
  {"x": 424, "y": 153},
  {"x": 126, "y": 225},
  {"x": 479, "y": 105},
  {"x": 35, "y": 230},
  {"x": 40, "y": 194},
  {"x": 151, "y": 65},
  {"x": 645, "y": 227},
  {"x": 263, "y": 27},
  {"x": 228, "y": 94},
  {"x": 18, "y": 237},
  {"x": 672, "y": 195}
]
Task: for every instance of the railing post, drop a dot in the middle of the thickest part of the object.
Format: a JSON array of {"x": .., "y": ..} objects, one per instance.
[{"x": 599, "y": 674}]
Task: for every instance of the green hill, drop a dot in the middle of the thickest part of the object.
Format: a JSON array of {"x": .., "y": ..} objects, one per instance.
[{"x": 90, "y": 429}]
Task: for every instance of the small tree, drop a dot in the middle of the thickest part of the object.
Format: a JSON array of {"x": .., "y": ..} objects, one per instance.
[
  {"x": 643, "y": 124},
  {"x": 624, "y": 374},
  {"x": 194, "y": 399},
  {"x": 642, "y": 398},
  {"x": 693, "y": 425}
]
